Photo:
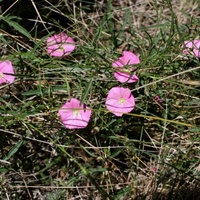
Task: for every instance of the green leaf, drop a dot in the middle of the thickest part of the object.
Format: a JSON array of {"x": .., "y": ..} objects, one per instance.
[
  {"x": 4, "y": 169},
  {"x": 123, "y": 192},
  {"x": 14, "y": 150},
  {"x": 32, "y": 92},
  {"x": 87, "y": 91},
  {"x": 16, "y": 26}
]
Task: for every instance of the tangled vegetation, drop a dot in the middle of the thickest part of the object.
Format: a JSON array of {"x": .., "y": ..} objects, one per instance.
[{"x": 150, "y": 151}]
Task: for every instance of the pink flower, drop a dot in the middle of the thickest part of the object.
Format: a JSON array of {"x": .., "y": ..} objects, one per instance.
[
  {"x": 158, "y": 99},
  {"x": 60, "y": 45},
  {"x": 192, "y": 47},
  {"x": 120, "y": 101},
  {"x": 74, "y": 115},
  {"x": 122, "y": 74},
  {"x": 6, "y": 72}
]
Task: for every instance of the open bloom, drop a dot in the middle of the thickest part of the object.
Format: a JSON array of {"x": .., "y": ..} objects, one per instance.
[
  {"x": 120, "y": 101},
  {"x": 75, "y": 115},
  {"x": 122, "y": 74},
  {"x": 6, "y": 72},
  {"x": 60, "y": 45},
  {"x": 192, "y": 47}
]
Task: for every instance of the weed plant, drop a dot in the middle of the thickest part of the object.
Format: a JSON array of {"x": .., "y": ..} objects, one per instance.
[{"x": 151, "y": 153}]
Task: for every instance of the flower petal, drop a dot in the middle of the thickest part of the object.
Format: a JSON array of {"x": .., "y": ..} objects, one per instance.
[
  {"x": 113, "y": 101},
  {"x": 130, "y": 58},
  {"x": 124, "y": 77},
  {"x": 192, "y": 47},
  {"x": 74, "y": 115},
  {"x": 6, "y": 72},
  {"x": 127, "y": 58},
  {"x": 60, "y": 45}
]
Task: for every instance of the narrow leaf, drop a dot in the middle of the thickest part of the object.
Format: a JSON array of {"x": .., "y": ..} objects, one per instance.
[
  {"x": 17, "y": 26},
  {"x": 14, "y": 150}
]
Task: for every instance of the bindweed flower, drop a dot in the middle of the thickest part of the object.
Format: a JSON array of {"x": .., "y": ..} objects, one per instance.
[
  {"x": 60, "y": 45},
  {"x": 120, "y": 101},
  {"x": 192, "y": 47},
  {"x": 6, "y": 72},
  {"x": 122, "y": 74},
  {"x": 74, "y": 115},
  {"x": 158, "y": 99}
]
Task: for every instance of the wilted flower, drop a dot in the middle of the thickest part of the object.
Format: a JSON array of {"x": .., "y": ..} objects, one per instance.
[
  {"x": 60, "y": 45},
  {"x": 192, "y": 47},
  {"x": 6, "y": 72},
  {"x": 120, "y": 101},
  {"x": 75, "y": 115},
  {"x": 122, "y": 74}
]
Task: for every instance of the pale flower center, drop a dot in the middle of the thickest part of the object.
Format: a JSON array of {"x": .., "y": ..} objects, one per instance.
[
  {"x": 76, "y": 112},
  {"x": 127, "y": 70},
  {"x": 122, "y": 101},
  {"x": 1, "y": 75},
  {"x": 61, "y": 48}
]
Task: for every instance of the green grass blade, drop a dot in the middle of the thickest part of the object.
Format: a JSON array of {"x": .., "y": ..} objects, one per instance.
[
  {"x": 16, "y": 26},
  {"x": 14, "y": 150}
]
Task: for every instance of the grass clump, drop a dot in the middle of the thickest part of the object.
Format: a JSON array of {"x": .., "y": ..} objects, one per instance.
[{"x": 150, "y": 153}]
